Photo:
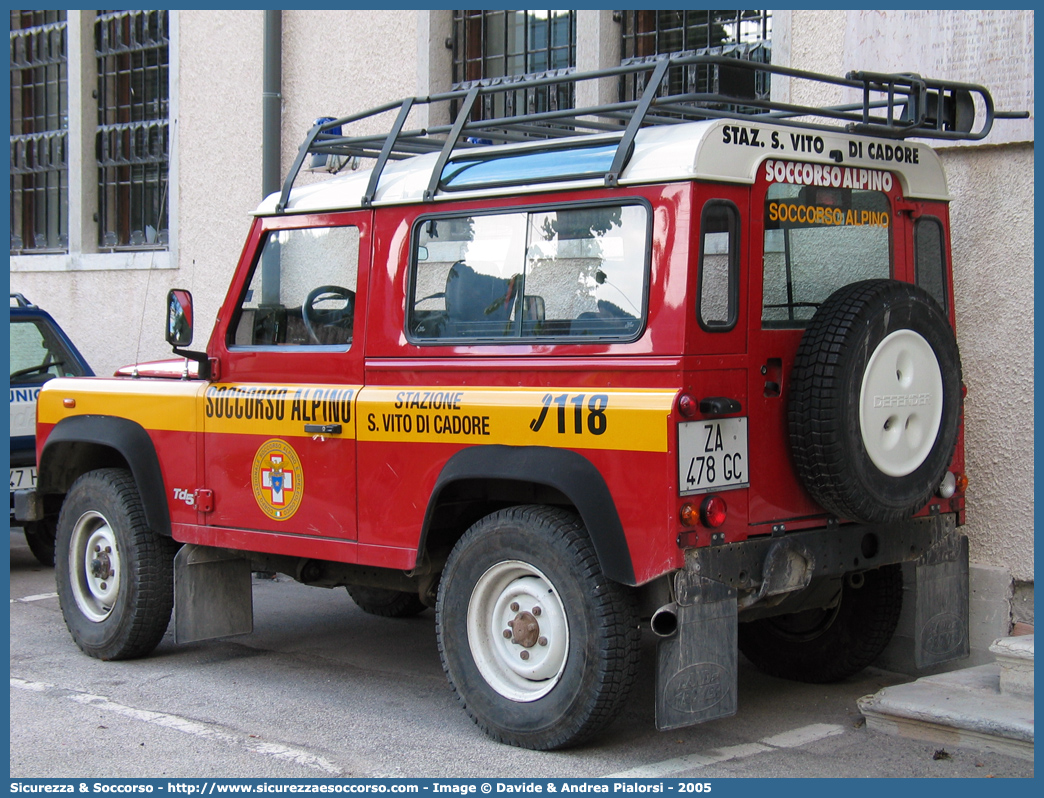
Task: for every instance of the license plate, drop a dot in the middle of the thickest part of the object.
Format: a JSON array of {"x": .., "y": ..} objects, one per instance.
[
  {"x": 712, "y": 455},
  {"x": 23, "y": 478}
]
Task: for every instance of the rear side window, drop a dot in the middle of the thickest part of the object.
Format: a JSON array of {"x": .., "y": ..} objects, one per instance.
[
  {"x": 573, "y": 274},
  {"x": 718, "y": 293},
  {"x": 818, "y": 239},
  {"x": 929, "y": 260}
]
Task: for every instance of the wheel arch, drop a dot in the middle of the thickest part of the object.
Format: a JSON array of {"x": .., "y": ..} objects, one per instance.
[
  {"x": 482, "y": 479},
  {"x": 79, "y": 444}
]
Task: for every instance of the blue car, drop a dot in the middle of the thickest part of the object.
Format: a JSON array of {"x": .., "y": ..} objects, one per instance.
[{"x": 40, "y": 351}]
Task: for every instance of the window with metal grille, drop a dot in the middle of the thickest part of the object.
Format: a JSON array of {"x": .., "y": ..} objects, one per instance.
[
  {"x": 493, "y": 46},
  {"x": 39, "y": 132},
  {"x": 745, "y": 34},
  {"x": 132, "y": 48}
]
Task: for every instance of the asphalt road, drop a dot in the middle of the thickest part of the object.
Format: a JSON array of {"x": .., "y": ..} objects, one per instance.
[{"x": 322, "y": 690}]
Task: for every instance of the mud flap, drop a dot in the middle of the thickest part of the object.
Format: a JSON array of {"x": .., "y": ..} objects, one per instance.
[
  {"x": 212, "y": 594},
  {"x": 941, "y": 602},
  {"x": 696, "y": 667}
]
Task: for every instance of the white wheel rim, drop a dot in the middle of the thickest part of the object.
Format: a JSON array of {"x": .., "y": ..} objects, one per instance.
[
  {"x": 94, "y": 566},
  {"x": 901, "y": 403},
  {"x": 525, "y": 665}
]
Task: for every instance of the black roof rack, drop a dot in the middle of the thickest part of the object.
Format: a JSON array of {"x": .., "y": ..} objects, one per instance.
[{"x": 893, "y": 106}]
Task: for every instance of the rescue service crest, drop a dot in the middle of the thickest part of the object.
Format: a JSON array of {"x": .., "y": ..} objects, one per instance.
[{"x": 277, "y": 479}]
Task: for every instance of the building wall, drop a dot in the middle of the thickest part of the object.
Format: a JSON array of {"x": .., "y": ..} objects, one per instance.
[
  {"x": 992, "y": 246},
  {"x": 112, "y": 304},
  {"x": 109, "y": 302},
  {"x": 218, "y": 139},
  {"x": 991, "y": 216},
  {"x": 332, "y": 68}
]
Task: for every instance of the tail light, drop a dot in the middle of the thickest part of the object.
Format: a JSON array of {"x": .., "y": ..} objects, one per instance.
[
  {"x": 953, "y": 484},
  {"x": 713, "y": 511},
  {"x": 687, "y": 405}
]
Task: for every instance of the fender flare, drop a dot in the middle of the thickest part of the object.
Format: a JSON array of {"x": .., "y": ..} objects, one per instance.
[
  {"x": 570, "y": 473},
  {"x": 65, "y": 456}
]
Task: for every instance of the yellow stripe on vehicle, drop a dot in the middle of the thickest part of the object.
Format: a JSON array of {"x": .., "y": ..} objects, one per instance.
[
  {"x": 611, "y": 419},
  {"x": 624, "y": 420},
  {"x": 279, "y": 410},
  {"x": 155, "y": 404}
]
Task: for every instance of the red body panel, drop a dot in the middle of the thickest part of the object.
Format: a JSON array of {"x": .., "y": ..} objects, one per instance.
[{"x": 366, "y": 500}]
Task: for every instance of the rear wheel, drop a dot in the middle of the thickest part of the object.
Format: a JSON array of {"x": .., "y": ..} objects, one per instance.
[
  {"x": 828, "y": 645},
  {"x": 386, "y": 603},
  {"x": 114, "y": 575},
  {"x": 540, "y": 648},
  {"x": 39, "y": 536}
]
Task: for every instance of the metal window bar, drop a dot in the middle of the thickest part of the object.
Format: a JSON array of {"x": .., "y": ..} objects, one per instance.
[
  {"x": 893, "y": 106},
  {"x": 494, "y": 45},
  {"x": 744, "y": 34},
  {"x": 132, "y": 48},
  {"x": 661, "y": 32},
  {"x": 39, "y": 132}
]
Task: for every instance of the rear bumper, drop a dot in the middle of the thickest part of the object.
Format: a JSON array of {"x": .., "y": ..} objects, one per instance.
[{"x": 696, "y": 677}]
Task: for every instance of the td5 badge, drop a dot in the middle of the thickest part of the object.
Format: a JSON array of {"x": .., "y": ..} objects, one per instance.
[{"x": 277, "y": 479}]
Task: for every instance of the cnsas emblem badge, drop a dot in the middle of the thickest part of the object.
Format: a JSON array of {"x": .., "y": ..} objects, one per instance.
[{"x": 278, "y": 479}]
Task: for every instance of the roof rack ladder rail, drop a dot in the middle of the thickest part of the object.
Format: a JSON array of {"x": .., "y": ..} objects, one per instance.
[
  {"x": 918, "y": 97},
  {"x": 914, "y": 104},
  {"x": 451, "y": 141},
  {"x": 623, "y": 149},
  {"x": 389, "y": 142},
  {"x": 915, "y": 94},
  {"x": 309, "y": 143},
  {"x": 291, "y": 176},
  {"x": 953, "y": 87}
]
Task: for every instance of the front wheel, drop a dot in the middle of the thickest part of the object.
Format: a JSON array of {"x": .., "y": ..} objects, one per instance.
[
  {"x": 115, "y": 576},
  {"x": 540, "y": 648}
]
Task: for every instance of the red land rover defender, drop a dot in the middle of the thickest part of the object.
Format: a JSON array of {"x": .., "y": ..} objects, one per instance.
[{"x": 685, "y": 362}]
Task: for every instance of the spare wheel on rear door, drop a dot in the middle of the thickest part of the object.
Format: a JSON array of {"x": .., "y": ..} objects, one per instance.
[{"x": 875, "y": 401}]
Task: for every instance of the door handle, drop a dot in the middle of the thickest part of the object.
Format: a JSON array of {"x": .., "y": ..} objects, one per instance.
[
  {"x": 323, "y": 429},
  {"x": 719, "y": 406},
  {"x": 773, "y": 371}
]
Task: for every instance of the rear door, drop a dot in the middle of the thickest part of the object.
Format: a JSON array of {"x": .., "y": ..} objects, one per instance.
[
  {"x": 279, "y": 440},
  {"x": 813, "y": 229}
]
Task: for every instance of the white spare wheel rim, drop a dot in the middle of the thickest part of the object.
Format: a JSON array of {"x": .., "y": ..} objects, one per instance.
[{"x": 901, "y": 403}]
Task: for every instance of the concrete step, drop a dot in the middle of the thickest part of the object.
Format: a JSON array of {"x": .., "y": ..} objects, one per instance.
[
  {"x": 975, "y": 707},
  {"x": 1015, "y": 657}
]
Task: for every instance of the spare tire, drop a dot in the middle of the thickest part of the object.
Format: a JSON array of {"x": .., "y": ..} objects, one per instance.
[{"x": 875, "y": 401}]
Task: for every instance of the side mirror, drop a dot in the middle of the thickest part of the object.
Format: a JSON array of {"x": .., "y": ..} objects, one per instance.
[
  {"x": 179, "y": 317},
  {"x": 179, "y": 330}
]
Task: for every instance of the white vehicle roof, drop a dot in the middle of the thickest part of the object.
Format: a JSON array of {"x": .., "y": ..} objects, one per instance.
[{"x": 714, "y": 150}]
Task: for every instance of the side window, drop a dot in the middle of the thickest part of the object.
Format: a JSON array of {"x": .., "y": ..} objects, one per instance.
[
  {"x": 717, "y": 296},
  {"x": 818, "y": 239},
  {"x": 37, "y": 354},
  {"x": 929, "y": 258},
  {"x": 302, "y": 290},
  {"x": 569, "y": 273},
  {"x": 467, "y": 276}
]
